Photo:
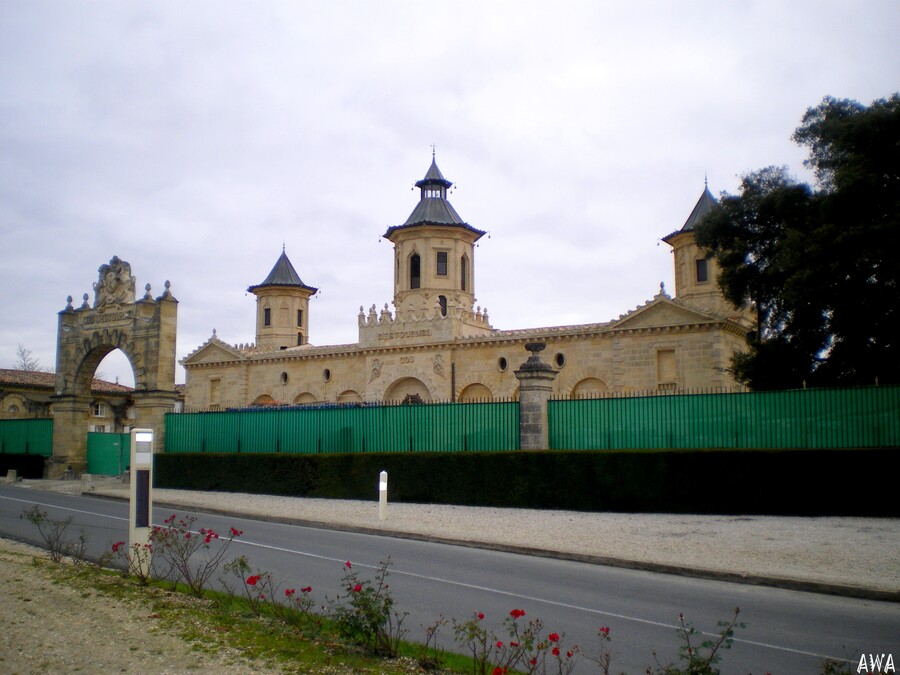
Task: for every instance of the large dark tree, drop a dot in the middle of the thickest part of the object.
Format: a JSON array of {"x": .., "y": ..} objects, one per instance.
[{"x": 819, "y": 265}]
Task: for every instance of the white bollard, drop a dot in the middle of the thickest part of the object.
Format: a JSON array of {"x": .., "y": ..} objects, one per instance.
[{"x": 382, "y": 496}]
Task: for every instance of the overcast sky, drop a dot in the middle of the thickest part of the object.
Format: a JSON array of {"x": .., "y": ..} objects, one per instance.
[{"x": 194, "y": 139}]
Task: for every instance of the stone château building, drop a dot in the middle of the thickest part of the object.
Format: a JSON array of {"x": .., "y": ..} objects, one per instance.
[
  {"x": 436, "y": 345},
  {"x": 28, "y": 394}
]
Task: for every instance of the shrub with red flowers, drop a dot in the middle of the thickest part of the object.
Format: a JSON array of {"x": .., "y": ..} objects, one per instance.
[
  {"x": 257, "y": 588},
  {"x": 491, "y": 654},
  {"x": 365, "y": 611},
  {"x": 602, "y": 659},
  {"x": 300, "y": 602},
  {"x": 176, "y": 543},
  {"x": 135, "y": 560}
]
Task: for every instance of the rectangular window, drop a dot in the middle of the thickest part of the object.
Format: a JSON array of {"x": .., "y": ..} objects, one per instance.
[
  {"x": 442, "y": 263},
  {"x": 99, "y": 410},
  {"x": 463, "y": 274},
  {"x": 300, "y": 318},
  {"x": 267, "y": 317},
  {"x": 214, "y": 386},
  {"x": 702, "y": 271}
]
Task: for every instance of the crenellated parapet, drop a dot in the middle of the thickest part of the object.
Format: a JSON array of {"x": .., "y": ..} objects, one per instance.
[{"x": 423, "y": 325}]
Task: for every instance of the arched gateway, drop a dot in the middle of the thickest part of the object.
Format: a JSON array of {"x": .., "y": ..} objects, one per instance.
[{"x": 143, "y": 329}]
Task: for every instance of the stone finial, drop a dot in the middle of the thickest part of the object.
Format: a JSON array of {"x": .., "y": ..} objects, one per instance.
[
  {"x": 85, "y": 304},
  {"x": 69, "y": 303},
  {"x": 147, "y": 295},
  {"x": 534, "y": 362}
]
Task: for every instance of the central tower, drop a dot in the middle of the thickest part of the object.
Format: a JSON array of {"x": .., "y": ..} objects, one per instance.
[
  {"x": 434, "y": 274},
  {"x": 434, "y": 252}
]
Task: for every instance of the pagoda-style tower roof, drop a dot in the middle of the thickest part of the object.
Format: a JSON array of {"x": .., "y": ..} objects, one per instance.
[
  {"x": 283, "y": 274},
  {"x": 433, "y": 207},
  {"x": 704, "y": 205}
]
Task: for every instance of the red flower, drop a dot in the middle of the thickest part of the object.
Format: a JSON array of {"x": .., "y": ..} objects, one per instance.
[
  {"x": 499, "y": 671},
  {"x": 499, "y": 644},
  {"x": 556, "y": 651},
  {"x": 187, "y": 535},
  {"x": 604, "y": 631},
  {"x": 348, "y": 565},
  {"x": 533, "y": 661},
  {"x": 357, "y": 588},
  {"x": 117, "y": 546},
  {"x": 307, "y": 589},
  {"x": 513, "y": 643},
  {"x": 480, "y": 616},
  {"x": 252, "y": 581},
  {"x": 569, "y": 655},
  {"x": 516, "y": 613},
  {"x": 553, "y": 637},
  {"x": 236, "y": 533},
  {"x": 289, "y": 592}
]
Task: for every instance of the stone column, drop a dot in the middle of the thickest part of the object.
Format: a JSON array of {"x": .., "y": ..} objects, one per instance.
[
  {"x": 150, "y": 413},
  {"x": 71, "y": 419},
  {"x": 535, "y": 387}
]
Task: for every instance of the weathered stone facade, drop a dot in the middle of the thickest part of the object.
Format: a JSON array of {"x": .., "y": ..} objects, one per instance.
[
  {"x": 143, "y": 329},
  {"x": 436, "y": 345}
]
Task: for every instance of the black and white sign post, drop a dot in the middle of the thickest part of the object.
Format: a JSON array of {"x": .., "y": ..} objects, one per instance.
[
  {"x": 382, "y": 495},
  {"x": 141, "y": 505}
]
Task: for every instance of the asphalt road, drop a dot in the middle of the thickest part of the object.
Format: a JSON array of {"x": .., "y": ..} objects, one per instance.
[{"x": 786, "y": 631}]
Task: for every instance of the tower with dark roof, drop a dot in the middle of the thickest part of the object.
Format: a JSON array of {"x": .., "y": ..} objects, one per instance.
[
  {"x": 696, "y": 273},
  {"x": 282, "y": 307},
  {"x": 434, "y": 252}
]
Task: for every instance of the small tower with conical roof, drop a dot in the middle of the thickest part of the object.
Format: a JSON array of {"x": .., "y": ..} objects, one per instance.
[
  {"x": 282, "y": 307},
  {"x": 696, "y": 273}
]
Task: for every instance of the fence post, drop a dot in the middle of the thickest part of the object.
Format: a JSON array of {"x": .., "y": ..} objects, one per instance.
[{"x": 535, "y": 386}]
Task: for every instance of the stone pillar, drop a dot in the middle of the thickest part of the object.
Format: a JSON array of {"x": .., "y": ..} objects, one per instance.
[
  {"x": 71, "y": 416},
  {"x": 535, "y": 387},
  {"x": 150, "y": 410}
]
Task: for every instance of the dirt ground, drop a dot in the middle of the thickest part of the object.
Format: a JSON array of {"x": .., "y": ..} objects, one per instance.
[{"x": 51, "y": 627}]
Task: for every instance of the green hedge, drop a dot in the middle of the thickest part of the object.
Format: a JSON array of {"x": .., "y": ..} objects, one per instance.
[{"x": 712, "y": 482}]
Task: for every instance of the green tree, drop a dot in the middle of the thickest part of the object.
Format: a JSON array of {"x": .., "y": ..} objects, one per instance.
[{"x": 819, "y": 265}]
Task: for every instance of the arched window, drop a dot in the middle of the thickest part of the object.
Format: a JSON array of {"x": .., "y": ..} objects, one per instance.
[
  {"x": 415, "y": 271},
  {"x": 442, "y": 301},
  {"x": 464, "y": 273}
]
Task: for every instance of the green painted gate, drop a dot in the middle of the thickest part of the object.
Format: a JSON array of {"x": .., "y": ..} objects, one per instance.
[{"x": 108, "y": 454}]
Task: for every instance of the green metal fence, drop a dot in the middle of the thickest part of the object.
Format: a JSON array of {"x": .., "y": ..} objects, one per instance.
[
  {"x": 436, "y": 427},
  {"x": 862, "y": 417},
  {"x": 27, "y": 437}
]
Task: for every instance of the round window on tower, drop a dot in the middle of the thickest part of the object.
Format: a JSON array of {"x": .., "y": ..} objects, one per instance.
[
  {"x": 326, "y": 375},
  {"x": 560, "y": 359},
  {"x": 502, "y": 364}
]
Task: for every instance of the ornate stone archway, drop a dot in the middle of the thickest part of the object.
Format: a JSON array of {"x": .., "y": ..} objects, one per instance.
[{"x": 143, "y": 329}]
